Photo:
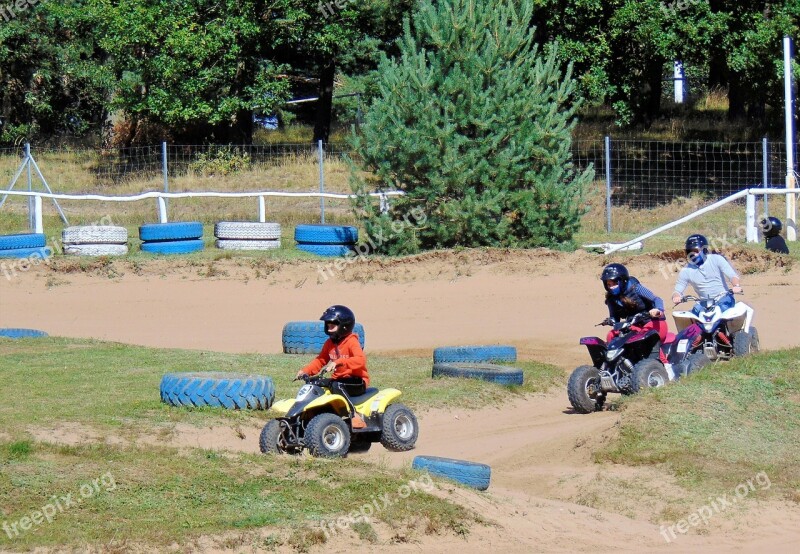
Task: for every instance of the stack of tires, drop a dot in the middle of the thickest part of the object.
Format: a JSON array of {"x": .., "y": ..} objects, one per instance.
[
  {"x": 475, "y": 362},
  {"x": 307, "y": 337},
  {"x": 247, "y": 235},
  {"x": 172, "y": 238},
  {"x": 95, "y": 240},
  {"x": 326, "y": 240},
  {"x": 24, "y": 245}
]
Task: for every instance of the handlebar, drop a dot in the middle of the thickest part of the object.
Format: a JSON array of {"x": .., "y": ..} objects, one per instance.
[
  {"x": 632, "y": 320},
  {"x": 715, "y": 299}
]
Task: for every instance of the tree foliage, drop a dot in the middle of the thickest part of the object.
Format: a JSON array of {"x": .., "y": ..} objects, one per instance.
[{"x": 474, "y": 124}]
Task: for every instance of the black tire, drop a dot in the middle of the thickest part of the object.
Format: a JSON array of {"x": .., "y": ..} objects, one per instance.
[
  {"x": 325, "y": 234},
  {"x": 696, "y": 361},
  {"x": 179, "y": 230},
  {"x": 745, "y": 343},
  {"x": 578, "y": 389},
  {"x": 399, "y": 428},
  {"x": 474, "y": 354},
  {"x": 359, "y": 445},
  {"x": 470, "y": 474},
  {"x": 270, "y": 435},
  {"x": 307, "y": 337},
  {"x": 649, "y": 374},
  {"x": 327, "y": 436},
  {"x": 225, "y": 390},
  {"x": 499, "y": 374}
]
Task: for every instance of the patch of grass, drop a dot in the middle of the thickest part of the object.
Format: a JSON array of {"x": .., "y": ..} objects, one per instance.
[{"x": 721, "y": 427}]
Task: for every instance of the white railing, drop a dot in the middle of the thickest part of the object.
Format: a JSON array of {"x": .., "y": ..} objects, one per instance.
[{"x": 36, "y": 215}]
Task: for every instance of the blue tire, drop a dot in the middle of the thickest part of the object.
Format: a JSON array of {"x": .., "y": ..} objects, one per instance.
[
  {"x": 307, "y": 337},
  {"x": 173, "y": 246},
  {"x": 328, "y": 250},
  {"x": 42, "y": 253},
  {"x": 499, "y": 374},
  {"x": 171, "y": 231},
  {"x": 470, "y": 474},
  {"x": 21, "y": 333},
  {"x": 326, "y": 234},
  {"x": 474, "y": 354},
  {"x": 222, "y": 390},
  {"x": 23, "y": 240}
]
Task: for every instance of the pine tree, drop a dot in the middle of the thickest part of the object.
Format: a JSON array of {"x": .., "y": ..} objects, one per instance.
[{"x": 474, "y": 124}]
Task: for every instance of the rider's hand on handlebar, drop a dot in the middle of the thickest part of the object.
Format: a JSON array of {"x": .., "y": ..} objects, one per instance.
[
  {"x": 736, "y": 289},
  {"x": 300, "y": 375},
  {"x": 656, "y": 313},
  {"x": 677, "y": 298}
]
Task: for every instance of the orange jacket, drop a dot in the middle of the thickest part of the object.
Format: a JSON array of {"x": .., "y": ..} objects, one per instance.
[{"x": 348, "y": 355}]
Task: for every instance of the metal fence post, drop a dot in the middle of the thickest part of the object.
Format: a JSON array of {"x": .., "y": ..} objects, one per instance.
[
  {"x": 321, "y": 182},
  {"x": 31, "y": 208},
  {"x": 765, "y": 170},
  {"x": 608, "y": 183},
  {"x": 164, "y": 171}
]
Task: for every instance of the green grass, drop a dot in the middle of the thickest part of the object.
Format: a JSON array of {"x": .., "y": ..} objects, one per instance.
[
  {"x": 720, "y": 427},
  {"x": 162, "y": 494}
]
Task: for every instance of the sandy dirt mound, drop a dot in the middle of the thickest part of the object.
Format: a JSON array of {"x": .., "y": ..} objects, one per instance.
[{"x": 544, "y": 482}]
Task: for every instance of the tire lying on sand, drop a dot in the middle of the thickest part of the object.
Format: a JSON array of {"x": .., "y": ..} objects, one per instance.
[
  {"x": 95, "y": 249},
  {"x": 247, "y": 230},
  {"x": 325, "y": 234},
  {"x": 22, "y": 240},
  {"x": 499, "y": 374},
  {"x": 177, "y": 230},
  {"x": 471, "y": 474},
  {"x": 327, "y": 250},
  {"x": 233, "y": 391},
  {"x": 237, "y": 244},
  {"x": 22, "y": 333},
  {"x": 173, "y": 246},
  {"x": 94, "y": 234},
  {"x": 475, "y": 354},
  {"x": 307, "y": 337}
]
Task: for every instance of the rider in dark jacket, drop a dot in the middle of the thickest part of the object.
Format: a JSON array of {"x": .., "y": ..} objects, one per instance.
[{"x": 626, "y": 296}]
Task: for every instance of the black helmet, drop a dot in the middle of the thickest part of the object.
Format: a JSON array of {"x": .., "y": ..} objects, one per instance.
[
  {"x": 342, "y": 316},
  {"x": 696, "y": 242},
  {"x": 618, "y": 273},
  {"x": 771, "y": 226}
]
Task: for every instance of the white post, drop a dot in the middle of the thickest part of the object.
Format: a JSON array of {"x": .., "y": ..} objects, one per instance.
[
  {"x": 321, "y": 182},
  {"x": 262, "y": 210},
  {"x": 751, "y": 232},
  {"x": 162, "y": 210},
  {"x": 679, "y": 82},
  {"x": 37, "y": 214},
  {"x": 31, "y": 224},
  {"x": 791, "y": 207}
]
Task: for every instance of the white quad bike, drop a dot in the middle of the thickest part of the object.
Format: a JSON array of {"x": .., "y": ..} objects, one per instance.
[{"x": 711, "y": 335}]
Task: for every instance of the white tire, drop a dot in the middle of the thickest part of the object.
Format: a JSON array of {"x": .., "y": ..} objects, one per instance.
[
  {"x": 96, "y": 249},
  {"x": 248, "y": 244},
  {"x": 95, "y": 234},
  {"x": 247, "y": 230}
]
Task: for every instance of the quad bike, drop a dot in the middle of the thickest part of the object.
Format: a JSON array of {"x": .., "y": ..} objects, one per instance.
[
  {"x": 323, "y": 422},
  {"x": 624, "y": 365},
  {"x": 712, "y": 334}
]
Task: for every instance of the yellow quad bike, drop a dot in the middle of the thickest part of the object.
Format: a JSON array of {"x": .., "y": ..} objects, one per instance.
[{"x": 320, "y": 420}]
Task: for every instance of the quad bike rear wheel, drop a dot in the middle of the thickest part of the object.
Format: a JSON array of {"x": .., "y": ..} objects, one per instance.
[
  {"x": 584, "y": 390},
  {"x": 649, "y": 374},
  {"x": 327, "y": 436},
  {"x": 399, "y": 428}
]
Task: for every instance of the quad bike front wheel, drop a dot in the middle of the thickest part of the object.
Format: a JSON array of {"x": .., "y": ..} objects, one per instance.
[
  {"x": 399, "y": 428},
  {"x": 268, "y": 442},
  {"x": 745, "y": 342},
  {"x": 584, "y": 390},
  {"x": 649, "y": 374},
  {"x": 327, "y": 436}
]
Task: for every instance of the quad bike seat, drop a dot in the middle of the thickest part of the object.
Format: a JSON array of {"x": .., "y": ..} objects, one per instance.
[{"x": 369, "y": 393}]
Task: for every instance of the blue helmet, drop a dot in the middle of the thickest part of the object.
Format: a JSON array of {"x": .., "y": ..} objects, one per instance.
[
  {"x": 618, "y": 273},
  {"x": 343, "y": 317}
]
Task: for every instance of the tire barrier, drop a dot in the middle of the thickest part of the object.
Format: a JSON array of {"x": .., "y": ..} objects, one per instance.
[
  {"x": 95, "y": 240},
  {"x": 326, "y": 240},
  {"x": 232, "y": 391},
  {"x": 172, "y": 238},
  {"x": 24, "y": 245},
  {"x": 307, "y": 337},
  {"x": 22, "y": 333},
  {"x": 471, "y": 474},
  {"x": 474, "y": 354},
  {"x": 247, "y": 235},
  {"x": 499, "y": 374}
]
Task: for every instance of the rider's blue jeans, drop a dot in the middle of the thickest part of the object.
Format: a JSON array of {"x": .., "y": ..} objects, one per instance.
[{"x": 724, "y": 304}]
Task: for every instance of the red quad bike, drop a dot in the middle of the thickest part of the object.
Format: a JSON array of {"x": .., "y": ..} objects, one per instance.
[{"x": 625, "y": 365}]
